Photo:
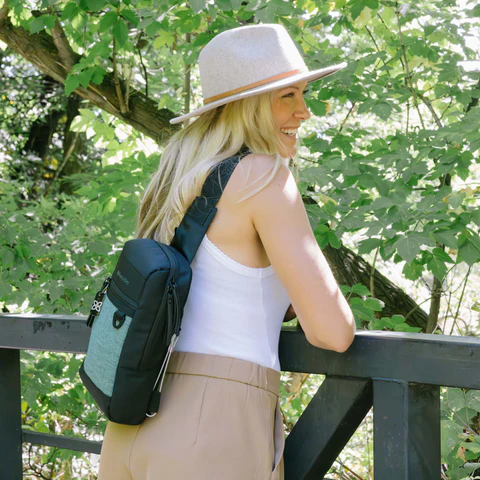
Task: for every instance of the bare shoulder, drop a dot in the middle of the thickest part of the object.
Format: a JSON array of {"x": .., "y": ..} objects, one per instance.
[{"x": 254, "y": 170}]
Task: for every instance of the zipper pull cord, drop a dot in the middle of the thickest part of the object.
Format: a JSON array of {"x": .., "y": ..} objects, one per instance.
[
  {"x": 96, "y": 307},
  {"x": 163, "y": 370}
]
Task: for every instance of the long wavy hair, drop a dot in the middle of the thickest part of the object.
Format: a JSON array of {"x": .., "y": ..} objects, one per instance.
[{"x": 192, "y": 152}]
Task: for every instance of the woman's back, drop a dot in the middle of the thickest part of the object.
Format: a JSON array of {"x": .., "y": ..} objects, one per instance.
[{"x": 236, "y": 302}]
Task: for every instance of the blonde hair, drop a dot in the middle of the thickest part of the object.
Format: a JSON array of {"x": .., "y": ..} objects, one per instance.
[{"x": 192, "y": 152}]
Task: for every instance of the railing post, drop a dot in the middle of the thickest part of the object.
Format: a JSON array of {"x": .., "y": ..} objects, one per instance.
[
  {"x": 406, "y": 418},
  {"x": 10, "y": 415}
]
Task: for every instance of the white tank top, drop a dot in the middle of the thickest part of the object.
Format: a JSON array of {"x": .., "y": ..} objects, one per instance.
[{"x": 232, "y": 310}]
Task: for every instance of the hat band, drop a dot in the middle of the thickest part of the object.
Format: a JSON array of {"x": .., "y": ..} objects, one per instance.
[{"x": 252, "y": 85}]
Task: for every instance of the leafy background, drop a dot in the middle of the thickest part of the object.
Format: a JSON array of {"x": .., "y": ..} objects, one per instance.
[{"x": 389, "y": 164}]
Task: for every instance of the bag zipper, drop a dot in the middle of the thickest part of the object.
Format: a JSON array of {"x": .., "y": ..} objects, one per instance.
[
  {"x": 173, "y": 311},
  {"x": 154, "y": 334},
  {"x": 174, "y": 323},
  {"x": 127, "y": 305}
]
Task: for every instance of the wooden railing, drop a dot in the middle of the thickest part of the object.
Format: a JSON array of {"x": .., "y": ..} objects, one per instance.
[{"x": 399, "y": 374}]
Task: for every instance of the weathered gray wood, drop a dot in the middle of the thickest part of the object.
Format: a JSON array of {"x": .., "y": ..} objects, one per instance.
[
  {"x": 410, "y": 357},
  {"x": 449, "y": 361},
  {"x": 51, "y": 440},
  {"x": 406, "y": 420},
  {"x": 51, "y": 333},
  {"x": 10, "y": 415},
  {"x": 325, "y": 427}
]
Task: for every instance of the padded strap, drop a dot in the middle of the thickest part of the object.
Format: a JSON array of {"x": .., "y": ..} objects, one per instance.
[{"x": 189, "y": 234}]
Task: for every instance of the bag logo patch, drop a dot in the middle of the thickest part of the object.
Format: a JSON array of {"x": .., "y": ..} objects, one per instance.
[{"x": 123, "y": 278}]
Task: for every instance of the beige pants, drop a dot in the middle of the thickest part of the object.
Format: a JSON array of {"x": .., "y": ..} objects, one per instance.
[{"x": 219, "y": 419}]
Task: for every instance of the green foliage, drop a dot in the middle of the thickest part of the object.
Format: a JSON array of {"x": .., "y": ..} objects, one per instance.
[{"x": 395, "y": 169}]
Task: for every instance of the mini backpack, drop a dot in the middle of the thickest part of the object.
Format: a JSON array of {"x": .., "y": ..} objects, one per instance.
[{"x": 136, "y": 317}]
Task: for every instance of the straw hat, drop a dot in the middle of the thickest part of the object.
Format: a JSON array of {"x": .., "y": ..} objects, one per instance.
[{"x": 249, "y": 60}]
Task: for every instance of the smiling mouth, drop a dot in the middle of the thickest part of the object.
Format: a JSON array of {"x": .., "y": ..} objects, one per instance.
[{"x": 289, "y": 136}]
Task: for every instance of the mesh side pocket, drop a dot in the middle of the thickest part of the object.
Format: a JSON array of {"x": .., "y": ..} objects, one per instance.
[{"x": 104, "y": 348}]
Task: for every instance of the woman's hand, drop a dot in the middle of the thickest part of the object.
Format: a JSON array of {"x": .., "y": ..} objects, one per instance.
[{"x": 290, "y": 314}]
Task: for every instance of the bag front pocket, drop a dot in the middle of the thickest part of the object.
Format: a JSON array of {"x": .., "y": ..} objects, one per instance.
[{"x": 106, "y": 344}]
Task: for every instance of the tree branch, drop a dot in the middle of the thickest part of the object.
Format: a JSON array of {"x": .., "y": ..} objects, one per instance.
[
  {"x": 55, "y": 57},
  {"x": 65, "y": 51},
  {"x": 3, "y": 13}
]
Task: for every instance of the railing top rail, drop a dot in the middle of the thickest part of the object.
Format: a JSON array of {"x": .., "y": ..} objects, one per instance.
[{"x": 396, "y": 356}]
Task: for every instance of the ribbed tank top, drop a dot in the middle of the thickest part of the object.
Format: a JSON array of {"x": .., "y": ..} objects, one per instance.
[{"x": 232, "y": 310}]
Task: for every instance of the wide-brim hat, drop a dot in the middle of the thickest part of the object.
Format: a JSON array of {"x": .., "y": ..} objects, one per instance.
[{"x": 250, "y": 60}]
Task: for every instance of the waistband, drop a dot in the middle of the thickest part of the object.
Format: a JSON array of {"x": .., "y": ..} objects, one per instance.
[{"x": 228, "y": 368}]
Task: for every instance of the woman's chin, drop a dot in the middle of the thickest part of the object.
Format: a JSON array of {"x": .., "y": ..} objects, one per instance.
[{"x": 288, "y": 152}]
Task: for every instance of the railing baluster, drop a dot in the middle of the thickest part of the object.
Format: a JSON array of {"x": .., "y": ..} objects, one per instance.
[
  {"x": 325, "y": 427},
  {"x": 406, "y": 418},
  {"x": 10, "y": 415}
]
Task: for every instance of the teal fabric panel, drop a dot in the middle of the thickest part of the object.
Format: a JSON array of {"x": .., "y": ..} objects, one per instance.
[{"x": 104, "y": 348}]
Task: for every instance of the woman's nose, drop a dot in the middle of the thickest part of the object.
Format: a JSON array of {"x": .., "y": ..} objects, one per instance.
[{"x": 303, "y": 111}]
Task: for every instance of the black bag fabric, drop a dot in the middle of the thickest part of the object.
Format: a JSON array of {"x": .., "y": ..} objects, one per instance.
[{"x": 136, "y": 317}]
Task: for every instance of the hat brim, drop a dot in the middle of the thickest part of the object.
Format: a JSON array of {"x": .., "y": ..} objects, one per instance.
[{"x": 285, "y": 82}]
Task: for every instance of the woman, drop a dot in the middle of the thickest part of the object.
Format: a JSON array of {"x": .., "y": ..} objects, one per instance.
[{"x": 258, "y": 264}]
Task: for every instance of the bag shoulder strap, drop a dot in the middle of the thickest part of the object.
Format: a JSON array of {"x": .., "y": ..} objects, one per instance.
[{"x": 189, "y": 234}]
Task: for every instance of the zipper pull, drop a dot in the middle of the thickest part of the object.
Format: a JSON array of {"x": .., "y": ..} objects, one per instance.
[
  {"x": 96, "y": 307},
  {"x": 155, "y": 398}
]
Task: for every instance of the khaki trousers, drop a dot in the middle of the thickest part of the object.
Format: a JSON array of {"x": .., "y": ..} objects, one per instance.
[{"x": 219, "y": 419}]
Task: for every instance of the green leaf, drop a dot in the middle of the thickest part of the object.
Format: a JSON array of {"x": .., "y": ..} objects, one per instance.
[
  {"x": 403, "y": 327},
  {"x": 356, "y": 8},
  {"x": 333, "y": 240},
  {"x": 442, "y": 255},
  {"x": 474, "y": 12},
  {"x": 381, "y": 323},
  {"x": 198, "y": 5},
  {"x": 107, "y": 21},
  {"x": 317, "y": 107},
  {"x": 397, "y": 319},
  {"x": 374, "y": 304},
  {"x": 84, "y": 77},
  {"x": 408, "y": 247},
  {"x": 449, "y": 433},
  {"x": 120, "y": 32},
  {"x": 414, "y": 270},
  {"x": 70, "y": 11},
  {"x": 8, "y": 258},
  {"x": 446, "y": 237},
  {"x": 163, "y": 38},
  {"x": 473, "y": 399},
  {"x": 99, "y": 247},
  {"x": 382, "y": 202},
  {"x": 131, "y": 16},
  {"x": 471, "y": 446},
  {"x": 95, "y": 5},
  {"x": 437, "y": 267},
  {"x": 360, "y": 289},
  {"x": 366, "y": 246},
  {"x": 383, "y": 110},
  {"x": 42, "y": 22},
  {"x": 71, "y": 83},
  {"x": 469, "y": 253}
]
